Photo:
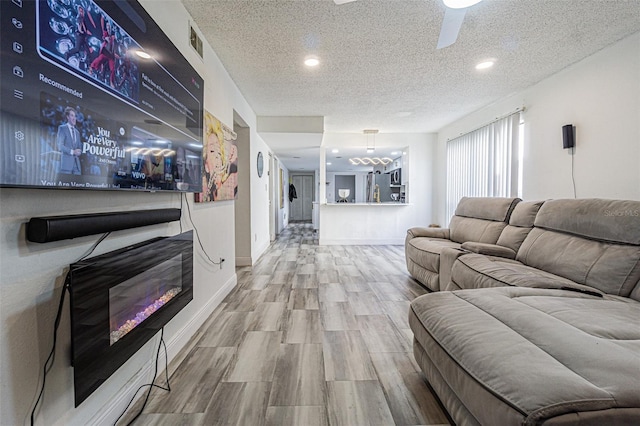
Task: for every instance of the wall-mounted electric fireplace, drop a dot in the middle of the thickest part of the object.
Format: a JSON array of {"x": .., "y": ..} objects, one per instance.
[{"x": 119, "y": 300}]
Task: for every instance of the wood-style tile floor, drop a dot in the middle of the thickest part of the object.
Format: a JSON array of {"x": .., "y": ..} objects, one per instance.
[{"x": 311, "y": 335}]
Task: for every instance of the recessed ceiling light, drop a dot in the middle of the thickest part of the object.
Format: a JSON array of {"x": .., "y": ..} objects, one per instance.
[
  {"x": 311, "y": 61},
  {"x": 296, "y": 157},
  {"x": 460, "y": 4},
  {"x": 143, "y": 54},
  {"x": 335, "y": 151},
  {"x": 370, "y": 150},
  {"x": 484, "y": 65},
  {"x": 328, "y": 163}
]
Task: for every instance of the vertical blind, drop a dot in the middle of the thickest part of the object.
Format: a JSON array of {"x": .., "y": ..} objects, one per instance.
[{"x": 484, "y": 162}]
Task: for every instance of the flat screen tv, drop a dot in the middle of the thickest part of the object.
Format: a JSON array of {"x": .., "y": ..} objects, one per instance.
[{"x": 95, "y": 96}]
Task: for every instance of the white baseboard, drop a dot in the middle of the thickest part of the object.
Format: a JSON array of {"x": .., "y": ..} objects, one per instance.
[
  {"x": 260, "y": 251},
  {"x": 115, "y": 406},
  {"x": 361, "y": 242}
]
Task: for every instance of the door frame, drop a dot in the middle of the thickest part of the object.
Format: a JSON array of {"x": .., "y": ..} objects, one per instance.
[{"x": 273, "y": 201}]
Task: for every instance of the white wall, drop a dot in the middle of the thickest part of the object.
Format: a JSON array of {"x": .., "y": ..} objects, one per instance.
[
  {"x": 260, "y": 238},
  {"x": 31, "y": 274},
  {"x": 364, "y": 224},
  {"x": 600, "y": 96},
  {"x": 283, "y": 212}
]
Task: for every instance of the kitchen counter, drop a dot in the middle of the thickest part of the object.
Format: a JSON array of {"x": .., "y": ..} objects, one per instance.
[{"x": 390, "y": 203}]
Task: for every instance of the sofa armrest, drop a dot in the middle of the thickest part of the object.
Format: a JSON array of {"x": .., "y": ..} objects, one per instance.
[
  {"x": 448, "y": 256},
  {"x": 489, "y": 250},
  {"x": 428, "y": 232}
]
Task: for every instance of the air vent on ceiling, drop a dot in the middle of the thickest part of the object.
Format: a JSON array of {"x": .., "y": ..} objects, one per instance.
[{"x": 195, "y": 40}]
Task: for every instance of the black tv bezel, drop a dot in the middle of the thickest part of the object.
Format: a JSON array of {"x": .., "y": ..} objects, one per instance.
[{"x": 158, "y": 41}]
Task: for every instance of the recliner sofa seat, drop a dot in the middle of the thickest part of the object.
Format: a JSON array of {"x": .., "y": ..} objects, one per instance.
[{"x": 476, "y": 219}]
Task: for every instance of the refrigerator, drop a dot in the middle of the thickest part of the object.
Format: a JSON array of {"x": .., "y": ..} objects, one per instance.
[{"x": 383, "y": 180}]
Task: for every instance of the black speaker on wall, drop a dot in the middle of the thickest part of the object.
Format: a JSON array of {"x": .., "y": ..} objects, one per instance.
[
  {"x": 54, "y": 228},
  {"x": 568, "y": 139}
]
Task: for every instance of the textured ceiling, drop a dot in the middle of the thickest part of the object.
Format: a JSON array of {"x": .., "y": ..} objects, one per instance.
[{"x": 379, "y": 61}]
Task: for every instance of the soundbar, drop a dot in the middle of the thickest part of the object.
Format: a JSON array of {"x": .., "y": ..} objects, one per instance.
[{"x": 55, "y": 228}]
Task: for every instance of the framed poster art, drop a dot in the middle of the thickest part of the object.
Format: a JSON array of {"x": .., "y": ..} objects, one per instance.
[{"x": 220, "y": 162}]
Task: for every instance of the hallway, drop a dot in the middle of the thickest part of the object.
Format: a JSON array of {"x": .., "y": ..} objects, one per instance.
[{"x": 311, "y": 335}]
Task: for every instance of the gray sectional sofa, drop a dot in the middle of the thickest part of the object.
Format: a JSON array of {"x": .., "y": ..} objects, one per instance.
[
  {"x": 542, "y": 327},
  {"x": 479, "y": 220}
]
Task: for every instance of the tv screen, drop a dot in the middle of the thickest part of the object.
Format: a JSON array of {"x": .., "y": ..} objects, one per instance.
[{"x": 95, "y": 96}]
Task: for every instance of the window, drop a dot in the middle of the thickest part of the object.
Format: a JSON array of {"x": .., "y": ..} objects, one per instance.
[{"x": 485, "y": 162}]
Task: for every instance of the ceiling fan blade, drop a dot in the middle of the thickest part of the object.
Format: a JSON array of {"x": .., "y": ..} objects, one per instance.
[
  {"x": 450, "y": 27},
  {"x": 343, "y": 1}
]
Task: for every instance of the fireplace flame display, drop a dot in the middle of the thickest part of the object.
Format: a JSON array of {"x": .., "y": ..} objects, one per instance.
[
  {"x": 136, "y": 299},
  {"x": 130, "y": 324}
]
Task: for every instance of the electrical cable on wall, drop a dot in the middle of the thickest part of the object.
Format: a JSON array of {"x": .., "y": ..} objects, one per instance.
[
  {"x": 573, "y": 178},
  {"x": 569, "y": 142},
  {"x": 48, "y": 364},
  {"x": 198, "y": 236},
  {"x": 181, "y": 209},
  {"x": 152, "y": 384}
]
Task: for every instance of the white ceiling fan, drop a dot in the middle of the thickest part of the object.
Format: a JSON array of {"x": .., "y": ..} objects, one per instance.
[{"x": 453, "y": 17}]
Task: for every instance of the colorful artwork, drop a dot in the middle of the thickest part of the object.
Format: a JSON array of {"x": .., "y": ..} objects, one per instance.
[{"x": 220, "y": 158}]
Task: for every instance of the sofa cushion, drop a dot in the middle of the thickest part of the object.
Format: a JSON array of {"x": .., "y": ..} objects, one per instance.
[
  {"x": 462, "y": 229},
  {"x": 524, "y": 213},
  {"x": 489, "y": 249},
  {"x": 537, "y": 354},
  {"x": 611, "y": 268},
  {"x": 520, "y": 224},
  {"x": 426, "y": 251},
  {"x": 513, "y": 237},
  {"x": 488, "y": 208},
  {"x": 480, "y": 271},
  {"x": 481, "y": 219},
  {"x": 615, "y": 221}
]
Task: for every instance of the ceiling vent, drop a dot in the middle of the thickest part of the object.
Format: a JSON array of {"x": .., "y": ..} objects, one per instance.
[{"x": 195, "y": 41}]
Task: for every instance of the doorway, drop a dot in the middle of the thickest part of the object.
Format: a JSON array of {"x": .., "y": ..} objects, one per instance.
[
  {"x": 302, "y": 206},
  {"x": 242, "y": 207}
]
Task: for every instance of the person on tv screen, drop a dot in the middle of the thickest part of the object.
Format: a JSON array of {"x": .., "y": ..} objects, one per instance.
[
  {"x": 69, "y": 144},
  {"x": 126, "y": 72},
  {"x": 107, "y": 55},
  {"x": 82, "y": 34}
]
